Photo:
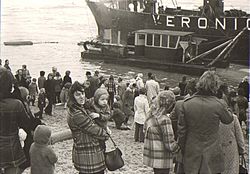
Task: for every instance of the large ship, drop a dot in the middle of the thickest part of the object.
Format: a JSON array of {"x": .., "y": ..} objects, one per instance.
[{"x": 189, "y": 36}]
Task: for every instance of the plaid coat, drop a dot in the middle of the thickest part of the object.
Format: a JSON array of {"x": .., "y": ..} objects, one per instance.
[
  {"x": 87, "y": 154},
  {"x": 159, "y": 142}
]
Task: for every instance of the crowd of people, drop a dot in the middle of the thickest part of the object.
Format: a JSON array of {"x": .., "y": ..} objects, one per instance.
[{"x": 194, "y": 127}]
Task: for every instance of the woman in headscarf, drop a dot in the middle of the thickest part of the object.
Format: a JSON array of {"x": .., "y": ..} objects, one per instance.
[
  {"x": 87, "y": 154},
  {"x": 159, "y": 143},
  {"x": 12, "y": 117},
  {"x": 198, "y": 127}
]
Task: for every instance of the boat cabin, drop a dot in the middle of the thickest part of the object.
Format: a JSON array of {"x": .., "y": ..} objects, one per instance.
[{"x": 164, "y": 45}]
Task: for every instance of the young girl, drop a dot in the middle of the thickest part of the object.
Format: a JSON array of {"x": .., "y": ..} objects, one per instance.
[
  {"x": 100, "y": 111},
  {"x": 99, "y": 108}
]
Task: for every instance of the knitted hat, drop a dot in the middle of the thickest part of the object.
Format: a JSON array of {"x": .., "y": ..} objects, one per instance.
[
  {"x": 6, "y": 81},
  {"x": 166, "y": 99},
  {"x": 24, "y": 92},
  {"x": 42, "y": 134},
  {"x": 98, "y": 93}
]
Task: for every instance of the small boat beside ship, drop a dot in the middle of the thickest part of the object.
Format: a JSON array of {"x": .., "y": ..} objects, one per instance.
[{"x": 173, "y": 39}]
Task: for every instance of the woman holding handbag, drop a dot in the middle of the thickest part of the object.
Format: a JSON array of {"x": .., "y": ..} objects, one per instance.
[
  {"x": 87, "y": 154},
  {"x": 159, "y": 143}
]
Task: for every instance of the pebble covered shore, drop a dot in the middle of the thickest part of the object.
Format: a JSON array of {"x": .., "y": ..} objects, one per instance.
[{"x": 132, "y": 151}]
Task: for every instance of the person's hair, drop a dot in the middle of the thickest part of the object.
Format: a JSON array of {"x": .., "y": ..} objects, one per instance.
[
  {"x": 184, "y": 78},
  {"x": 119, "y": 79},
  {"x": 208, "y": 83},
  {"x": 24, "y": 66},
  {"x": 6, "y": 83},
  {"x": 77, "y": 86},
  {"x": 166, "y": 87},
  {"x": 142, "y": 91},
  {"x": 149, "y": 75},
  {"x": 7, "y": 60},
  {"x": 116, "y": 105},
  {"x": 57, "y": 74},
  {"x": 88, "y": 73},
  {"x": 42, "y": 73},
  {"x": 33, "y": 79},
  {"x": 111, "y": 77},
  {"x": 67, "y": 72},
  {"x": 190, "y": 87},
  {"x": 223, "y": 89},
  {"x": 96, "y": 72}
]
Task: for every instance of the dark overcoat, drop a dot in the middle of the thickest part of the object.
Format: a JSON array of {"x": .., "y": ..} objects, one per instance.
[{"x": 198, "y": 126}]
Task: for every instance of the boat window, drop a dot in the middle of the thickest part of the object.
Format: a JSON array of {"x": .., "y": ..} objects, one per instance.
[
  {"x": 156, "y": 40},
  {"x": 149, "y": 39},
  {"x": 172, "y": 41},
  {"x": 164, "y": 41},
  {"x": 141, "y": 36},
  {"x": 140, "y": 39}
]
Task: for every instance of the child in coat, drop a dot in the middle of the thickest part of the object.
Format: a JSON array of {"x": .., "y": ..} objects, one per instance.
[
  {"x": 100, "y": 111},
  {"x": 41, "y": 103},
  {"x": 64, "y": 94},
  {"x": 33, "y": 90},
  {"x": 42, "y": 156}
]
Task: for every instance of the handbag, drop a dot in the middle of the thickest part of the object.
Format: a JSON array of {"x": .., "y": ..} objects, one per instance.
[
  {"x": 113, "y": 159},
  {"x": 243, "y": 166}
]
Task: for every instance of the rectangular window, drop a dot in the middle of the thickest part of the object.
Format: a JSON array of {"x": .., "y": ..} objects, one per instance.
[
  {"x": 157, "y": 40},
  {"x": 172, "y": 41},
  {"x": 141, "y": 36},
  {"x": 164, "y": 41},
  {"x": 149, "y": 39}
]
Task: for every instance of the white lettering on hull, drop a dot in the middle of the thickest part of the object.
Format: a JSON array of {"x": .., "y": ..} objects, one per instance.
[
  {"x": 202, "y": 23},
  {"x": 186, "y": 21},
  {"x": 222, "y": 25},
  {"x": 169, "y": 21}
]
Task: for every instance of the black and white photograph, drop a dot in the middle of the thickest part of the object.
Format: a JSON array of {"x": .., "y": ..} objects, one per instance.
[{"x": 124, "y": 86}]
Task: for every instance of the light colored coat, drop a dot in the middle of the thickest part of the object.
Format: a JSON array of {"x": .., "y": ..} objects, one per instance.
[
  {"x": 153, "y": 88},
  {"x": 141, "y": 108},
  {"x": 232, "y": 141},
  {"x": 198, "y": 133}
]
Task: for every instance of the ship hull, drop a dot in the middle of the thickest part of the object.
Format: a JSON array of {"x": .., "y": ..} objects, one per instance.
[{"x": 122, "y": 23}]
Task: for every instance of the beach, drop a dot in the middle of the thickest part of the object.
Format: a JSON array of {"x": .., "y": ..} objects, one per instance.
[{"x": 132, "y": 151}]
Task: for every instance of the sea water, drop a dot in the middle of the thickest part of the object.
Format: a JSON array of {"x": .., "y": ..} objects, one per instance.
[{"x": 55, "y": 27}]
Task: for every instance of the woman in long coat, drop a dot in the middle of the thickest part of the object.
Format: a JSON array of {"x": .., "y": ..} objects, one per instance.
[
  {"x": 87, "y": 154},
  {"x": 198, "y": 127},
  {"x": 232, "y": 142},
  {"x": 159, "y": 143},
  {"x": 12, "y": 117}
]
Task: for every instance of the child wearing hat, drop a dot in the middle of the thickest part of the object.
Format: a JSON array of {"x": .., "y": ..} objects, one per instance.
[
  {"x": 42, "y": 156},
  {"x": 99, "y": 109}
]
